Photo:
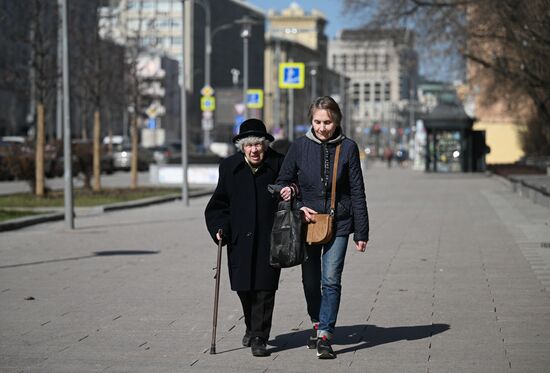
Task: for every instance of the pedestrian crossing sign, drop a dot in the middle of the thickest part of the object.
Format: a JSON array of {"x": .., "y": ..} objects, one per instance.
[
  {"x": 208, "y": 103},
  {"x": 254, "y": 98},
  {"x": 291, "y": 75}
]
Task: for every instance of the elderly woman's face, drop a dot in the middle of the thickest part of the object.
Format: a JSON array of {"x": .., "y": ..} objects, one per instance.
[
  {"x": 323, "y": 126},
  {"x": 254, "y": 153}
]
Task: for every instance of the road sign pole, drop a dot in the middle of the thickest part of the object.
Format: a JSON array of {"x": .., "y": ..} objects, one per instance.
[{"x": 291, "y": 114}]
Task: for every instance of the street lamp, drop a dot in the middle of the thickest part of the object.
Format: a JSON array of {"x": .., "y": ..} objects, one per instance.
[
  {"x": 313, "y": 66},
  {"x": 246, "y": 31},
  {"x": 184, "y": 185},
  {"x": 68, "y": 175}
]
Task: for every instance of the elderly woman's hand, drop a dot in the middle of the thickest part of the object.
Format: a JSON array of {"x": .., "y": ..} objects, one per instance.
[
  {"x": 286, "y": 193},
  {"x": 309, "y": 214}
]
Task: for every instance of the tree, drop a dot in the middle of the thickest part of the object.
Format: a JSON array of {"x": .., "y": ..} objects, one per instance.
[
  {"x": 29, "y": 28},
  {"x": 510, "y": 39}
]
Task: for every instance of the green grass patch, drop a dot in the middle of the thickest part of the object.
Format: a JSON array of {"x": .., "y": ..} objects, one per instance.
[
  {"x": 8, "y": 215},
  {"x": 84, "y": 198}
]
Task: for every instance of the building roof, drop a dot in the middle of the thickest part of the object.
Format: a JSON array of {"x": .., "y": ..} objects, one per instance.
[
  {"x": 399, "y": 36},
  {"x": 249, "y": 6},
  {"x": 448, "y": 116}
]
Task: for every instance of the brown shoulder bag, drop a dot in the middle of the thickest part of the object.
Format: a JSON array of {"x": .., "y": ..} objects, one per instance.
[{"x": 320, "y": 231}]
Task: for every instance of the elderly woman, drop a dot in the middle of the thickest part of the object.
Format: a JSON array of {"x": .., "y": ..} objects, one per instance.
[
  {"x": 310, "y": 163},
  {"x": 243, "y": 208}
]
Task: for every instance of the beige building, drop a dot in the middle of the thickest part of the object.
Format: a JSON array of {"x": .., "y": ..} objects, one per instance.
[
  {"x": 495, "y": 115},
  {"x": 295, "y": 35}
]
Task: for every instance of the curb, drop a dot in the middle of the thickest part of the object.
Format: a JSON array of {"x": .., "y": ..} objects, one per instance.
[
  {"x": 26, "y": 221},
  {"x": 536, "y": 194}
]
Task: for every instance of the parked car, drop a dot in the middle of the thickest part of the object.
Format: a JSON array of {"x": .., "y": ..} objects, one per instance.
[
  {"x": 122, "y": 157},
  {"x": 167, "y": 153},
  {"x": 82, "y": 155}
]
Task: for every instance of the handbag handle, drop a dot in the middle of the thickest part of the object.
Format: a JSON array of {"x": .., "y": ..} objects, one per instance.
[{"x": 333, "y": 187}]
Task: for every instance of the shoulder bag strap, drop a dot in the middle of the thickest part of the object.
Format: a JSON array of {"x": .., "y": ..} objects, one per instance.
[{"x": 333, "y": 187}]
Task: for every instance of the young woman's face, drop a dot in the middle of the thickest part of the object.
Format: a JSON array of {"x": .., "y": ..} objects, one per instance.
[
  {"x": 323, "y": 126},
  {"x": 254, "y": 153}
]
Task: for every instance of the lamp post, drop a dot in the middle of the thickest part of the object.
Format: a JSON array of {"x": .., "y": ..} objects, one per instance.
[
  {"x": 68, "y": 175},
  {"x": 207, "y": 40},
  {"x": 184, "y": 185},
  {"x": 246, "y": 31},
  {"x": 313, "y": 66}
]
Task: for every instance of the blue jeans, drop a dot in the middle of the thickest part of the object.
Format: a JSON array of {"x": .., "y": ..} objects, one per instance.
[{"x": 322, "y": 278}]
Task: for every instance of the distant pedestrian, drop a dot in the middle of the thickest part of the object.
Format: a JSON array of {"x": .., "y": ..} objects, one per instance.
[
  {"x": 388, "y": 155},
  {"x": 309, "y": 163},
  {"x": 244, "y": 209}
]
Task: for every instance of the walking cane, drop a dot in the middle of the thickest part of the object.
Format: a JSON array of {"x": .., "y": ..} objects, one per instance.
[{"x": 216, "y": 295}]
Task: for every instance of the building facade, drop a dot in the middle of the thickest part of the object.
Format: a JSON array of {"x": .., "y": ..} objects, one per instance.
[
  {"x": 295, "y": 35},
  {"x": 382, "y": 66},
  {"x": 155, "y": 26}
]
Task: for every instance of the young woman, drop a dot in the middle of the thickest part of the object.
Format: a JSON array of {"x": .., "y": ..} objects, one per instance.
[{"x": 309, "y": 163}]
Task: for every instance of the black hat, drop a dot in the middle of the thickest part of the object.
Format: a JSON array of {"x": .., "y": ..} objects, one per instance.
[{"x": 252, "y": 127}]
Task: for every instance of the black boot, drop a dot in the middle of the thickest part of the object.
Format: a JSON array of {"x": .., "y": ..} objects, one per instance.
[
  {"x": 246, "y": 339},
  {"x": 258, "y": 347}
]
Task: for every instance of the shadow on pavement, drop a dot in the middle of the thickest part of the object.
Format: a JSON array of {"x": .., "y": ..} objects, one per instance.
[
  {"x": 360, "y": 336},
  {"x": 95, "y": 255}
]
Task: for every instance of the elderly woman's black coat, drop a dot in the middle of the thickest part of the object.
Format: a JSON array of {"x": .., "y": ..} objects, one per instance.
[{"x": 244, "y": 209}]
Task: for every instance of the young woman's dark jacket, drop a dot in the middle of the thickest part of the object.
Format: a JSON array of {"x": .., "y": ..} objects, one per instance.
[
  {"x": 242, "y": 206},
  {"x": 309, "y": 163}
]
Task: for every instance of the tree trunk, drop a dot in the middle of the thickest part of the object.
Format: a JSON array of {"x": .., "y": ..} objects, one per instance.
[
  {"x": 97, "y": 152},
  {"x": 134, "y": 165},
  {"x": 39, "y": 151}
]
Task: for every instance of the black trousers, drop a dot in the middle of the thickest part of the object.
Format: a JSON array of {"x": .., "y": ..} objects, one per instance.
[{"x": 258, "y": 311}]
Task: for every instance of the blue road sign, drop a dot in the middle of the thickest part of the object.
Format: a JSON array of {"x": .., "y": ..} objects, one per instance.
[
  {"x": 255, "y": 98},
  {"x": 291, "y": 75},
  {"x": 238, "y": 120},
  {"x": 152, "y": 123}
]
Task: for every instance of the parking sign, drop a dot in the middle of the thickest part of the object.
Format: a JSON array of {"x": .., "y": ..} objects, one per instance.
[
  {"x": 291, "y": 75},
  {"x": 254, "y": 98}
]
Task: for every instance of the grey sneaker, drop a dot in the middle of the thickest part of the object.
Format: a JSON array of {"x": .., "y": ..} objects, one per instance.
[
  {"x": 324, "y": 349},
  {"x": 312, "y": 339}
]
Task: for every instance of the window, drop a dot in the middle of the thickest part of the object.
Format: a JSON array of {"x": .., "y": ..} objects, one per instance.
[
  {"x": 176, "y": 40},
  {"x": 164, "y": 5},
  {"x": 343, "y": 62},
  {"x": 355, "y": 91},
  {"x": 366, "y": 92},
  {"x": 377, "y": 92},
  {"x": 387, "y": 91},
  {"x": 354, "y": 59},
  {"x": 334, "y": 61},
  {"x": 375, "y": 61},
  {"x": 365, "y": 62},
  {"x": 133, "y": 24}
]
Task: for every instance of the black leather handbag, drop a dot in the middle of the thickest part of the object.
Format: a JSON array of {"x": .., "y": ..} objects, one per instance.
[{"x": 288, "y": 247}]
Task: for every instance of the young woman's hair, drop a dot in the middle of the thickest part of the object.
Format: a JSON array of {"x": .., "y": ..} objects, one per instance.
[
  {"x": 326, "y": 103},
  {"x": 251, "y": 140}
]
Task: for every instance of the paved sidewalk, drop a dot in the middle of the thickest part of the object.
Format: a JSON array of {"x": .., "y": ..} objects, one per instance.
[{"x": 456, "y": 278}]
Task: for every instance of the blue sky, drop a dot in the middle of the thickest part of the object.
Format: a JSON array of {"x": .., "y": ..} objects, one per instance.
[
  {"x": 332, "y": 9},
  {"x": 433, "y": 68}
]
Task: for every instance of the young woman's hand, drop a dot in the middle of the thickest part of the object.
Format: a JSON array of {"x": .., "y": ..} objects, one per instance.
[
  {"x": 361, "y": 245},
  {"x": 309, "y": 214}
]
